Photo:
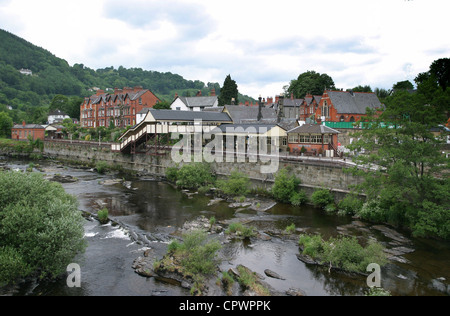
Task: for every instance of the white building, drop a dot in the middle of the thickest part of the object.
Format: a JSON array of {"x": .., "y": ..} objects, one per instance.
[
  {"x": 195, "y": 104},
  {"x": 56, "y": 116}
]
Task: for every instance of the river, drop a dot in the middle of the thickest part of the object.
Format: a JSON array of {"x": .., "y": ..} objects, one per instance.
[{"x": 145, "y": 205}]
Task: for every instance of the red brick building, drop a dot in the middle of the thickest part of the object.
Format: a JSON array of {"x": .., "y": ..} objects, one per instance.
[
  {"x": 23, "y": 131},
  {"x": 315, "y": 139},
  {"x": 338, "y": 106},
  {"x": 120, "y": 108}
]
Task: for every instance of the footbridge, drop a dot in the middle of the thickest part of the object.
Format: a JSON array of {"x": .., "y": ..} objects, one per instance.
[{"x": 145, "y": 137}]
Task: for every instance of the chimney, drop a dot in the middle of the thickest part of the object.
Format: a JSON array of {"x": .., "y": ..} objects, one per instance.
[
  {"x": 213, "y": 92},
  {"x": 260, "y": 109},
  {"x": 277, "y": 98},
  {"x": 138, "y": 88},
  {"x": 233, "y": 100},
  {"x": 100, "y": 92},
  {"x": 176, "y": 95},
  {"x": 247, "y": 103},
  {"x": 23, "y": 123},
  {"x": 199, "y": 93}
]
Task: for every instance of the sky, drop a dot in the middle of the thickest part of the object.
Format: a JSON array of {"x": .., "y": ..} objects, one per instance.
[{"x": 262, "y": 44}]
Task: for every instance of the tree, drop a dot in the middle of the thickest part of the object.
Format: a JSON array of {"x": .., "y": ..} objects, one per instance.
[
  {"x": 408, "y": 180},
  {"x": 6, "y": 123},
  {"x": 403, "y": 85},
  {"x": 310, "y": 82},
  {"x": 228, "y": 92},
  {"x": 361, "y": 88},
  {"x": 41, "y": 229}
]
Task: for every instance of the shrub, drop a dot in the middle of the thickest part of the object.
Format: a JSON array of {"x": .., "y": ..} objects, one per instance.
[
  {"x": 103, "y": 216},
  {"x": 102, "y": 167},
  {"x": 299, "y": 198},
  {"x": 195, "y": 175},
  {"x": 290, "y": 229},
  {"x": 241, "y": 230},
  {"x": 198, "y": 253},
  {"x": 41, "y": 228},
  {"x": 350, "y": 205},
  {"x": 236, "y": 184},
  {"x": 171, "y": 174},
  {"x": 322, "y": 198},
  {"x": 285, "y": 186},
  {"x": 343, "y": 252}
]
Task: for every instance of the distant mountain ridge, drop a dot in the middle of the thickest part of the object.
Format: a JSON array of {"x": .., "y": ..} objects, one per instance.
[{"x": 53, "y": 76}]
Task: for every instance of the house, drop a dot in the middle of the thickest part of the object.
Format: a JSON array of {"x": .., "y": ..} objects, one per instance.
[
  {"x": 196, "y": 104},
  {"x": 26, "y": 131},
  {"x": 314, "y": 138},
  {"x": 26, "y": 72},
  {"x": 118, "y": 109},
  {"x": 346, "y": 106},
  {"x": 308, "y": 108},
  {"x": 56, "y": 116},
  {"x": 287, "y": 107}
]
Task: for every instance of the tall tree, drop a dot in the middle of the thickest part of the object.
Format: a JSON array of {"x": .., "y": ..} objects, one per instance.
[
  {"x": 310, "y": 82},
  {"x": 409, "y": 178},
  {"x": 228, "y": 92}
]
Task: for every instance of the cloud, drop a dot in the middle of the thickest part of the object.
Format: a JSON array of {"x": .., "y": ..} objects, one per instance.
[{"x": 188, "y": 19}]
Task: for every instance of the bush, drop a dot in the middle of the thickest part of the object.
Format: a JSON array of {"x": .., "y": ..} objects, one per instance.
[
  {"x": 299, "y": 198},
  {"x": 103, "y": 216},
  {"x": 343, "y": 252},
  {"x": 236, "y": 184},
  {"x": 198, "y": 253},
  {"x": 41, "y": 228},
  {"x": 322, "y": 198},
  {"x": 195, "y": 175},
  {"x": 241, "y": 230},
  {"x": 102, "y": 167},
  {"x": 350, "y": 205},
  {"x": 290, "y": 229},
  {"x": 171, "y": 174},
  {"x": 285, "y": 186}
]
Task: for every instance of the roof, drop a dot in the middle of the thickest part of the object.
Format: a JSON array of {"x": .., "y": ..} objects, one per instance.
[
  {"x": 313, "y": 129},
  {"x": 132, "y": 95},
  {"x": 245, "y": 114},
  {"x": 288, "y": 102},
  {"x": 57, "y": 112},
  {"x": 185, "y": 116},
  {"x": 353, "y": 102},
  {"x": 28, "y": 126},
  {"x": 248, "y": 128},
  {"x": 199, "y": 101}
]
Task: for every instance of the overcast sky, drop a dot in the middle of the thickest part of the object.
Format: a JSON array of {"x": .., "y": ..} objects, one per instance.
[{"x": 262, "y": 44}]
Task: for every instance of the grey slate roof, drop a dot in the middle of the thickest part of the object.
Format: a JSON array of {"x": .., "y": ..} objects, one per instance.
[
  {"x": 28, "y": 126},
  {"x": 313, "y": 129},
  {"x": 244, "y": 114},
  {"x": 248, "y": 128},
  {"x": 353, "y": 103},
  {"x": 199, "y": 101},
  {"x": 187, "y": 116}
]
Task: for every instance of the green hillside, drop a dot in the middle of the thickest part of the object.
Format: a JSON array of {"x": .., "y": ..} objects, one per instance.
[{"x": 29, "y": 98}]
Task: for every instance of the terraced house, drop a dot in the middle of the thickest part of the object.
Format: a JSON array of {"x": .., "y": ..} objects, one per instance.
[{"x": 119, "y": 109}]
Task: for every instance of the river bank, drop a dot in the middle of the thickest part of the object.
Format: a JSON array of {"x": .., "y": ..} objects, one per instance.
[{"x": 146, "y": 206}]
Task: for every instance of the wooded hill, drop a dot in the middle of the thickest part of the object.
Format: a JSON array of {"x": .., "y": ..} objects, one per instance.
[{"x": 30, "y": 96}]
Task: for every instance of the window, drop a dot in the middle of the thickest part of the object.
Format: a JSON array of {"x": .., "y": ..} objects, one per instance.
[
  {"x": 284, "y": 141},
  {"x": 326, "y": 109}
]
